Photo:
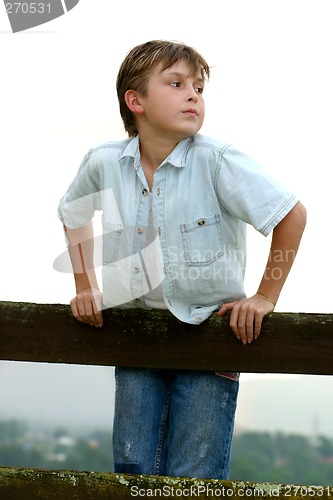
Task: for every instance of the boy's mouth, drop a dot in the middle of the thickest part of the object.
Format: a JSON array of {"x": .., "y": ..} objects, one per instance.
[{"x": 191, "y": 111}]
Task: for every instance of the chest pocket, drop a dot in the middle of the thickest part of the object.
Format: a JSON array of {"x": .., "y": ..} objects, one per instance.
[{"x": 202, "y": 240}]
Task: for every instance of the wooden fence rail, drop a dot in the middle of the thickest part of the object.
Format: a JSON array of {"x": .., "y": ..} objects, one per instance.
[
  {"x": 289, "y": 343},
  {"x": 299, "y": 343},
  {"x": 30, "y": 484}
]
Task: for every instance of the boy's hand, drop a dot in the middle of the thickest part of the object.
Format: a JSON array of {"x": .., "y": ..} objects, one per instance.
[
  {"x": 247, "y": 315},
  {"x": 87, "y": 307}
]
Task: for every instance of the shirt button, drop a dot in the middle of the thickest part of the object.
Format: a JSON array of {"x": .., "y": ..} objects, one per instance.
[
  {"x": 137, "y": 301},
  {"x": 141, "y": 230},
  {"x": 158, "y": 191},
  {"x": 135, "y": 269},
  {"x": 144, "y": 192},
  {"x": 159, "y": 231}
]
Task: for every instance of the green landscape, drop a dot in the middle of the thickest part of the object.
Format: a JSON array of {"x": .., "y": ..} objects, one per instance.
[{"x": 264, "y": 457}]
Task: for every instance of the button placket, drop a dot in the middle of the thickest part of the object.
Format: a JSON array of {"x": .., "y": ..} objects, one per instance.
[{"x": 138, "y": 244}]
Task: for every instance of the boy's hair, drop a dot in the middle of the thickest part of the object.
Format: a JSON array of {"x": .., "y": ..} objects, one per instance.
[{"x": 142, "y": 60}]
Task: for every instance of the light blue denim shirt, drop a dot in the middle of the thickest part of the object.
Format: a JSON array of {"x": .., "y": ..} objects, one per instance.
[{"x": 203, "y": 196}]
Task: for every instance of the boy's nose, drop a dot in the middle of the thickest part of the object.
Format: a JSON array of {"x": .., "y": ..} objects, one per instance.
[{"x": 193, "y": 96}]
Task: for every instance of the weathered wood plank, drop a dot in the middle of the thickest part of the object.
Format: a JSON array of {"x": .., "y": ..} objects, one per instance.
[
  {"x": 54, "y": 485},
  {"x": 289, "y": 343}
]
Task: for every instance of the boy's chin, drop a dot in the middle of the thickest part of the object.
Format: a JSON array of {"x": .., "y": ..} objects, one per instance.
[{"x": 190, "y": 132}]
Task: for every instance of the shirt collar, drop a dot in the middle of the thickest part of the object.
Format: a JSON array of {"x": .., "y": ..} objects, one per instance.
[{"x": 177, "y": 157}]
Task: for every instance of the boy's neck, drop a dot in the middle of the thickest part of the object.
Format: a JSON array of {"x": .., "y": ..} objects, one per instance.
[{"x": 154, "y": 151}]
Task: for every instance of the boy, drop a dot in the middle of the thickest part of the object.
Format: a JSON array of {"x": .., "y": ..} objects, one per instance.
[{"x": 175, "y": 206}]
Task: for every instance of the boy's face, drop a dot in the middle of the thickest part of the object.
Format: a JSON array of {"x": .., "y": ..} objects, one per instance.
[{"x": 174, "y": 105}]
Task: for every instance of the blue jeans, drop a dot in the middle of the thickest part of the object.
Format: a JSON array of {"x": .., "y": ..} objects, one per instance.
[{"x": 173, "y": 423}]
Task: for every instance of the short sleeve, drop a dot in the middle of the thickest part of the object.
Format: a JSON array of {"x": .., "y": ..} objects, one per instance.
[
  {"x": 78, "y": 205},
  {"x": 248, "y": 192}
]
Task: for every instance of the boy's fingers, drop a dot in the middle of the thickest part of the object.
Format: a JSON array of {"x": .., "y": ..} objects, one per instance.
[
  {"x": 227, "y": 307},
  {"x": 74, "y": 309},
  {"x": 247, "y": 316},
  {"x": 98, "y": 316},
  {"x": 238, "y": 324},
  {"x": 97, "y": 309},
  {"x": 82, "y": 310},
  {"x": 85, "y": 309},
  {"x": 250, "y": 319},
  {"x": 230, "y": 306},
  {"x": 257, "y": 326}
]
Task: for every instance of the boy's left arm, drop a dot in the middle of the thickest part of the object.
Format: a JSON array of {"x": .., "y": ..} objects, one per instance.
[{"x": 247, "y": 315}]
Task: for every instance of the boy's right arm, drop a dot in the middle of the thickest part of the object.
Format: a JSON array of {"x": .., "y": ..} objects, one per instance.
[{"x": 87, "y": 304}]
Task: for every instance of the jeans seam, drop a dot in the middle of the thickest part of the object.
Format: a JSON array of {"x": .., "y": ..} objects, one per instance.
[
  {"x": 227, "y": 452},
  {"x": 161, "y": 435}
]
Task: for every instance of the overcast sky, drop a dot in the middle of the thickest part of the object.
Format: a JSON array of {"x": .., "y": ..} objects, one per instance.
[{"x": 270, "y": 94}]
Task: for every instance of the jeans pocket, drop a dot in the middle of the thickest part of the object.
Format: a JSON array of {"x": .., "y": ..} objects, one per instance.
[{"x": 202, "y": 239}]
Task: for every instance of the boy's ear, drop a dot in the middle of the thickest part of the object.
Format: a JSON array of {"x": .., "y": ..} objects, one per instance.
[{"x": 133, "y": 102}]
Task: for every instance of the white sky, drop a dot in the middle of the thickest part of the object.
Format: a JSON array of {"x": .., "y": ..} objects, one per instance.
[{"x": 270, "y": 94}]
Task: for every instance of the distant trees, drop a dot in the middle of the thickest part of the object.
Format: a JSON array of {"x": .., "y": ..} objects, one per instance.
[
  {"x": 12, "y": 430},
  {"x": 256, "y": 456},
  {"x": 91, "y": 453},
  {"x": 282, "y": 458},
  {"x": 21, "y": 447}
]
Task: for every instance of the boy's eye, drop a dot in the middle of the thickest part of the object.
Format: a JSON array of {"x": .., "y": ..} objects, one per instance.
[{"x": 198, "y": 90}]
